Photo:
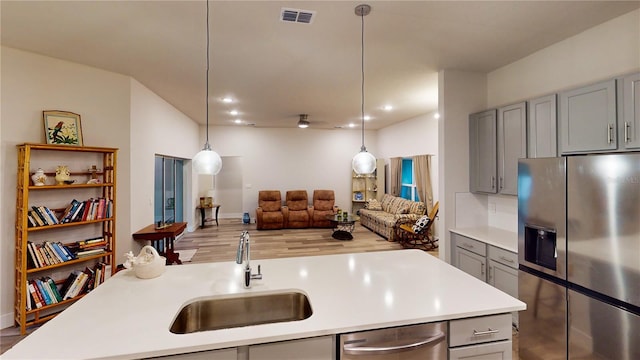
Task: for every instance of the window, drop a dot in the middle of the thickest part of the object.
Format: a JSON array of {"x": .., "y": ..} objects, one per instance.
[
  {"x": 408, "y": 189},
  {"x": 168, "y": 192}
]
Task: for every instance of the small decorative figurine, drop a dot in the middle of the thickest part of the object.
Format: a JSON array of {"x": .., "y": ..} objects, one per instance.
[
  {"x": 39, "y": 178},
  {"x": 63, "y": 175}
]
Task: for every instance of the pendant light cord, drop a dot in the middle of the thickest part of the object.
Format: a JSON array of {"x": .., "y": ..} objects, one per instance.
[
  {"x": 363, "y": 148},
  {"x": 206, "y": 145}
]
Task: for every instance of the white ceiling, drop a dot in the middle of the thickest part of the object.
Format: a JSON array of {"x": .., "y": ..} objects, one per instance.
[{"x": 277, "y": 70}]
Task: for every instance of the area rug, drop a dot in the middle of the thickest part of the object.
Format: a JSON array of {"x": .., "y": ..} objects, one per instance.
[{"x": 186, "y": 255}]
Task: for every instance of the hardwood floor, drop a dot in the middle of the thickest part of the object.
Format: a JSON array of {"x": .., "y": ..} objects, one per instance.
[{"x": 219, "y": 243}]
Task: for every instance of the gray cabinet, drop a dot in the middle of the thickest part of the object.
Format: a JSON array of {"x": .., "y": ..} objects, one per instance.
[
  {"x": 316, "y": 348},
  {"x": 629, "y": 112},
  {"x": 542, "y": 138},
  {"x": 497, "y": 139},
  {"x": 483, "y": 151},
  {"x": 512, "y": 145},
  {"x": 486, "y": 337},
  {"x": 470, "y": 256},
  {"x": 588, "y": 118}
]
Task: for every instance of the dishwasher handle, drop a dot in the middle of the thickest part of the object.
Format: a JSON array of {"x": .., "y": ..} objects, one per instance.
[{"x": 389, "y": 348}]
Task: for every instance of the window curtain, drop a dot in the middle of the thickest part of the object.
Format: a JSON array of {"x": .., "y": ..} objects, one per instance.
[
  {"x": 396, "y": 175},
  {"x": 422, "y": 167}
]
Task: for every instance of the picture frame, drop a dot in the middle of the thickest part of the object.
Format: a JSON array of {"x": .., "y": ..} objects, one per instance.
[{"x": 62, "y": 127}]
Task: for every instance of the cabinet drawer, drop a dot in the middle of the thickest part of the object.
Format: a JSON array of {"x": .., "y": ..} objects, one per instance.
[
  {"x": 472, "y": 245},
  {"x": 503, "y": 256},
  {"x": 480, "y": 330}
]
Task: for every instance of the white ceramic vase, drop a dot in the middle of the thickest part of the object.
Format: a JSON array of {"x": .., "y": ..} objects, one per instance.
[{"x": 39, "y": 178}]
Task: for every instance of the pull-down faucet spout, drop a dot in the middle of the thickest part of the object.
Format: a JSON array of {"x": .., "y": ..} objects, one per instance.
[{"x": 243, "y": 256}]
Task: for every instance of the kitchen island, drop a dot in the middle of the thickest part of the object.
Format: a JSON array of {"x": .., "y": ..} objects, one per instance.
[{"x": 127, "y": 317}]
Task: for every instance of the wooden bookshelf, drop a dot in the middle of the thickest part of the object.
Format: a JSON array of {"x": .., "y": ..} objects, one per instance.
[{"x": 30, "y": 157}]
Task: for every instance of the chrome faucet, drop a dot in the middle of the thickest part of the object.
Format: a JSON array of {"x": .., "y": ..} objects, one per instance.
[{"x": 243, "y": 256}]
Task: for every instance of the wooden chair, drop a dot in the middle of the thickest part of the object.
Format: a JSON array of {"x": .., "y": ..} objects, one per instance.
[{"x": 421, "y": 239}]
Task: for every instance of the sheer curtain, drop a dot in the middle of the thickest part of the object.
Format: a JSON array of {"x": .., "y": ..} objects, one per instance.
[
  {"x": 395, "y": 168},
  {"x": 422, "y": 167}
]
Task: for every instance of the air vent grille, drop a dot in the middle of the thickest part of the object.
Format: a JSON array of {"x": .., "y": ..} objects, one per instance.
[{"x": 296, "y": 15}]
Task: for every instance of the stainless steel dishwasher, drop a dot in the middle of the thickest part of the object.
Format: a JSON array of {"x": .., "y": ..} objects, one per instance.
[{"x": 422, "y": 341}]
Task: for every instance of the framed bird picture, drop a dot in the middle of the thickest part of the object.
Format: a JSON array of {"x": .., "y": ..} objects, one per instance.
[{"x": 62, "y": 127}]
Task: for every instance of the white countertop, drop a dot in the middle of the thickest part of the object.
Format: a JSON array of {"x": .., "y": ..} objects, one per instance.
[
  {"x": 127, "y": 317},
  {"x": 504, "y": 239}
]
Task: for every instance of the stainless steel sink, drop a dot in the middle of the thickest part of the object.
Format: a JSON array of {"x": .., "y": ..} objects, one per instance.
[{"x": 229, "y": 312}]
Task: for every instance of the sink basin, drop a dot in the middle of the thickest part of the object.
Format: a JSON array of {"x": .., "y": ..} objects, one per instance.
[{"x": 229, "y": 312}]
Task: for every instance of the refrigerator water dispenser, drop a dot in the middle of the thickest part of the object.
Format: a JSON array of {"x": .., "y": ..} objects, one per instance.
[{"x": 540, "y": 246}]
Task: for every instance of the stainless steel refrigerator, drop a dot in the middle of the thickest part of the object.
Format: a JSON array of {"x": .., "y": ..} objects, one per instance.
[{"x": 579, "y": 257}]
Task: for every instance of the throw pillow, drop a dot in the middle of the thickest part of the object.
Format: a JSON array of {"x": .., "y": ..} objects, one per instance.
[
  {"x": 421, "y": 223},
  {"x": 374, "y": 204}
]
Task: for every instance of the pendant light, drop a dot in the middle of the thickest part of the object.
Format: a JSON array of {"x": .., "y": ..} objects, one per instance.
[
  {"x": 207, "y": 161},
  {"x": 364, "y": 162}
]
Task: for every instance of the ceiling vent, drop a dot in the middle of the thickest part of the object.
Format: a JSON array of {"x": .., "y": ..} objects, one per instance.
[{"x": 297, "y": 15}]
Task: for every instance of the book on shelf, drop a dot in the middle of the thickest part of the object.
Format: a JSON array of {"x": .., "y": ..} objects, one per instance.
[
  {"x": 91, "y": 252},
  {"x": 32, "y": 259},
  {"x": 54, "y": 287},
  {"x": 47, "y": 287},
  {"x": 29, "y": 298},
  {"x": 42, "y": 221},
  {"x": 37, "y": 300},
  {"x": 34, "y": 216},
  {"x": 70, "y": 284},
  {"x": 43, "y": 292},
  {"x": 66, "y": 250},
  {"x": 61, "y": 253},
  {"x": 53, "y": 253},
  {"x": 68, "y": 212}
]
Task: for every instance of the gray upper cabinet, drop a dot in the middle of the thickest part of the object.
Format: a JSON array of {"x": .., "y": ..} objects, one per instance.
[
  {"x": 483, "y": 152},
  {"x": 588, "y": 118},
  {"x": 512, "y": 145},
  {"x": 542, "y": 124},
  {"x": 629, "y": 123}
]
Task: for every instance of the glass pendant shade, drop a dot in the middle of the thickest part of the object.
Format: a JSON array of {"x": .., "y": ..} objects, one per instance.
[
  {"x": 207, "y": 162},
  {"x": 364, "y": 163}
]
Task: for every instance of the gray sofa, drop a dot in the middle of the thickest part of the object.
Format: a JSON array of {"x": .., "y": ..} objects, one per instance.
[{"x": 381, "y": 217}]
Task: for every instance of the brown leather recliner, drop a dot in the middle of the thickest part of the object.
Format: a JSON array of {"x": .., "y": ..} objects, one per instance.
[
  {"x": 323, "y": 205},
  {"x": 269, "y": 213},
  {"x": 296, "y": 212}
]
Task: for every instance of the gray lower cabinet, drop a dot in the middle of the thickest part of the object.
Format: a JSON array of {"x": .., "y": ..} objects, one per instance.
[
  {"x": 542, "y": 138},
  {"x": 512, "y": 145},
  {"x": 497, "y": 266},
  {"x": 587, "y": 120},
  {"x": 629, "y": 112},
  {"x": 486, "y": 337},
  {"x": 483, "y": 151},
  {"x": 470, "y": 256}
]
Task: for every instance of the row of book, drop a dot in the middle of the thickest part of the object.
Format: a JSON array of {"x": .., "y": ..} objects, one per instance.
[
  {"x": 44, "y": 291},
  {"x": 91, "y": 209},
  {"x": 52, "y": 253}
]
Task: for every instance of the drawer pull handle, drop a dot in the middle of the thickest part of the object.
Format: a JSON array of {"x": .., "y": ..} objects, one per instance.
[
  {"x": 467, "y": 245},
  {"x": 390, "y": 348},
  {"x": 506, "y": 259},
  {"x": 486, "y": 332}
]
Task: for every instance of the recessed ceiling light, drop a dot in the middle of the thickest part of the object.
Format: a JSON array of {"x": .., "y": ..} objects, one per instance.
[
  {"x": 233, "y": 112},
  {"x": 351, "y": 125},
  {"x": 388, "y": 107},
  {"x": 237, "y": 121},
  {"x": 367, "y": 117},
  {"x": 436, "y": 115},
  {"x": 227, "y": 100}
]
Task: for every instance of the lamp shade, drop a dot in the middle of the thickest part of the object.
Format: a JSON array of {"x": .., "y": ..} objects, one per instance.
[
  {"x": 364, "y": 163},
  {"x": 207, "y": 162}
]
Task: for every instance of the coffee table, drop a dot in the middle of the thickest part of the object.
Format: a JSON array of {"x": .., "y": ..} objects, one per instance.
[{"x": 343, "y": 227}]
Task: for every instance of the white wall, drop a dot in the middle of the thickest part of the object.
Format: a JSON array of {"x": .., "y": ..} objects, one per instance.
[
  {"x": 291, "y": 159},
  {"x": 415, "y": 136},
  {"x": 32, "y": 83},
  {"x": 460, "y": 94},
  {"x": 158, "y": 128}
]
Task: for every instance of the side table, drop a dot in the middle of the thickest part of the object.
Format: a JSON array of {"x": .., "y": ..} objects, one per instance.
[
  {"x": 202, "y": 209},
  {"x": 162, "y": 239}
]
